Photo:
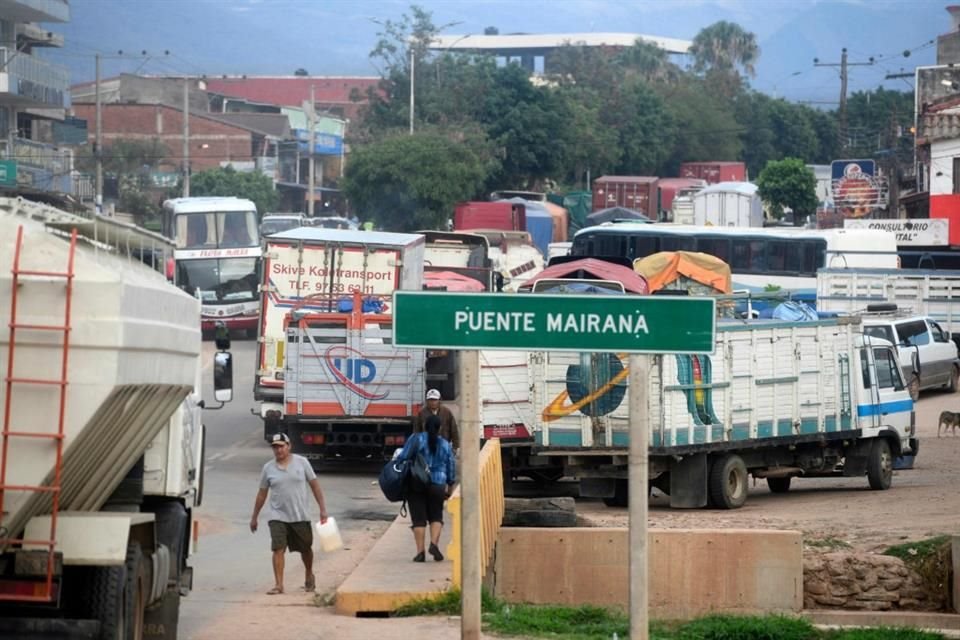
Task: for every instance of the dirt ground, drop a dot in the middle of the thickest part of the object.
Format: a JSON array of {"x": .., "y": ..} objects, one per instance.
[{"x": 922, "y": 502}]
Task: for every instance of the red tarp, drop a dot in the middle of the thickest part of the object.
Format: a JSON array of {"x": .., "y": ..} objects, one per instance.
[
  {"x": 451, "y": 281},
  {"x": 591, "y": 268}
]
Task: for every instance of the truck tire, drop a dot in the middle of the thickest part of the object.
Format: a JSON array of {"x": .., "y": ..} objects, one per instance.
[
  {"x": 880, "y": 465},
  {"x": 779, "y": 485},
  {"x": 727, "y": 483},
  {"x": 621, "y": 494},
  {"x": 117, "y": 597}
]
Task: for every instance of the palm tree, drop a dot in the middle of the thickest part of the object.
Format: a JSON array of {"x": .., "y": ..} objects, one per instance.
[
  {"x": 725, "y": 46},
  {"x": 649, "y": 62}
]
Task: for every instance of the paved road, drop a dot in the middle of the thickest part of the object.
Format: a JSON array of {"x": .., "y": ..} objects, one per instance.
[{"x": 232, "y": 566}]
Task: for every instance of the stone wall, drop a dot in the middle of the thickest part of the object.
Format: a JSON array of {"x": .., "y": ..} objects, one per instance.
[{"x": 863, "y": 581}]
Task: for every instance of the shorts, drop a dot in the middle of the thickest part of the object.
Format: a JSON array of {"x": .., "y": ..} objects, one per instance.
[
  {"x": 427, "y": 506},
  {"x": 295, "y": 536}
]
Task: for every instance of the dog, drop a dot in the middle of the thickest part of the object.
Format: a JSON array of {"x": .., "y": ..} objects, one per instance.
[{"x": 948, "y": 420}]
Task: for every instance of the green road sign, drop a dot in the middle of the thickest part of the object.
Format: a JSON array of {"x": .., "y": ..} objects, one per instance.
[{"x": 534, "y": 322}]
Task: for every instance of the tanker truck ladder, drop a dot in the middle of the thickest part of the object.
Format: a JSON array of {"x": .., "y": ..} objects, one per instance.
[{"x": 48, "y": 594}]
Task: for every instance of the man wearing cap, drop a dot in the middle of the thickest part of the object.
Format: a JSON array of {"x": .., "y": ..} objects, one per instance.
[
  {"x": 448, "y": 424},
  {"x": 286, "y": 479}
]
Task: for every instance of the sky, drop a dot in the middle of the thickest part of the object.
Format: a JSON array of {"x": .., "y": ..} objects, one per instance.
[{"x": 334, "y": 37}]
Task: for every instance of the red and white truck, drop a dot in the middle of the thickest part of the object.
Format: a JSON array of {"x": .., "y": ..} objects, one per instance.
[{"x": 328, "y": 374}]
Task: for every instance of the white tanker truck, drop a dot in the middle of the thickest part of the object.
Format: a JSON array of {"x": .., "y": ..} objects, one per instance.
[{"x": 101, "y": 449}]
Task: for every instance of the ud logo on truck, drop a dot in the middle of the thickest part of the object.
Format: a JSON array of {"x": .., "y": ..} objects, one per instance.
[{"x": 351, "y": 369}]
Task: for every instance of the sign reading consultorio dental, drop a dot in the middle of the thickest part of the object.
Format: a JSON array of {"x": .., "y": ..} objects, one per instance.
[
  {"x": 919, "y": 232},
  {"x": 622, "y": 324}
]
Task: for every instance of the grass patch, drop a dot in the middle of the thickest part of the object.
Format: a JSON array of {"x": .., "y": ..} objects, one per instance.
[
  {"x": 597, "y": 623},
  {"x": 828, "y": 543},
  {"x": 931, "y": 558}
]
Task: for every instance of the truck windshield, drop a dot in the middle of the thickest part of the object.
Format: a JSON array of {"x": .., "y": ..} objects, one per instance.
[
  {"x": 224, "y": 280},
  {"x": 217, "y": 230},
  {"x": 277, "y": 225}
]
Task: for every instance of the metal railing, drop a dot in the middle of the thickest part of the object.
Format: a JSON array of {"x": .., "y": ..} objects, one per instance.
[{"x": 492, "y": 505}]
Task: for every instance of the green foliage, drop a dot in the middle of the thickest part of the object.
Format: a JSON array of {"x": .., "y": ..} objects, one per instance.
[
  {"x": 252, "y": 185},
  {"x": 931, "y": 558},
  {"x": 559, "y": 622},
  {"x": 446, "y": 603},
  {"x": 703, "y": 129},
  {"x": 722, "y": 627},
  {"x": 406, "y": 183},
  {"x": 913, "y": 552},
  {"x": 882, "y": 633},
  {"x": 788, "y": 183},
  {"x": 725, "y": 47}
]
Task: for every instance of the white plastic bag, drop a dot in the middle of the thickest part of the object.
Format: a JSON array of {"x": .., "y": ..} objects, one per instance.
[{"x": 328, "y": 535}]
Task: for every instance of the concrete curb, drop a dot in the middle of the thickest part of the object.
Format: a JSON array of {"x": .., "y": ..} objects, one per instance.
[{"x": 946, "y": 623}]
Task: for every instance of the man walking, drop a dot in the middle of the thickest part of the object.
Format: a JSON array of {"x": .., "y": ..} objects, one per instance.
[
  {"x": 285, "y": 479},
  {"x": 448, "y": 424}
]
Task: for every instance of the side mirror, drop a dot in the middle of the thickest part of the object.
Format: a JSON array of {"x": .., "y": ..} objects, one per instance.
[
  {"x": 221, "y": 337},
  {"x": 223, "y": 376}
]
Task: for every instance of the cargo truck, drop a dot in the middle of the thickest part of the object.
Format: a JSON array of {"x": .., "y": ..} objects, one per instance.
[
  {"x": 775, "y": 400},
  {"x": 327, "y": 374},
  {"x": 102, "y": 441}
]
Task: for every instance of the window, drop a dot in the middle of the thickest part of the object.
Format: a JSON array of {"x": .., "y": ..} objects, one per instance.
[
  {"x": 882, "y": 332},
  {"x": 913, "y": 333},
  {"x": 718, "y": 247},
  {"x": 678, "y": 243},
  {"x": 644, "y": 245},
  {"x": 864, "y": 369},
  {"x": 939, "y": 335},
  {"x": 777, "y": 255},
  {"x": 888, "y": 369},
  {"x": 748, "y": 256}
]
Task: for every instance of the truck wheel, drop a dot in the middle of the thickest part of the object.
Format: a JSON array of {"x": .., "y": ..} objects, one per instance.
[
  {"x": 914, "y": 388},
  {"x": 621, "y": 494},
  {"x": 727, "y": 484},
  {"x": 880, "y": 466},
  {"x": 118, "y": 596},
  {"x": 779, "y": 485}
]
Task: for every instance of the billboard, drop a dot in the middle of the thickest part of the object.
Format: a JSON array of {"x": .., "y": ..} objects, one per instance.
[
  {"x": 917, "y": 232},
  {"x": 856, "y": 188}
]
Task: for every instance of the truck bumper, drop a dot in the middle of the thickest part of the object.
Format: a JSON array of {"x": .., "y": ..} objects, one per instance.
[
  {"x": 346, "y": 440},
  {"x": 234, "y": 323}
]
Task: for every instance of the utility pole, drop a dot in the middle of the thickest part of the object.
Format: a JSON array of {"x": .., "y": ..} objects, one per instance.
[
  {"x": 843, "y": 64},
  {"x": 412, "y": 62},
  {"x": 312, "y": 123},
  {"x": 186, "y": 137},
  {"x": 98, "y": 144}
]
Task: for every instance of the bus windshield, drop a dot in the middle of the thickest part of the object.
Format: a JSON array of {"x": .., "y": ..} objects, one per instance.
[
  {"x": 219, "y": 281},
  {"x": 217, "y": 230}
]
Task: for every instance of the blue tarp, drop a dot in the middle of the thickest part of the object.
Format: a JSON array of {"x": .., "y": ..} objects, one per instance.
[{"x": 539, "y": 224}]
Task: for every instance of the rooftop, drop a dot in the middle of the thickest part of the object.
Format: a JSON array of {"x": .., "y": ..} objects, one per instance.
[{"x": 520, "y": 43}]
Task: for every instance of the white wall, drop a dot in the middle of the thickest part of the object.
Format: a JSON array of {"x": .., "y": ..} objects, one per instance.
[{"x": 942, "y": 153}]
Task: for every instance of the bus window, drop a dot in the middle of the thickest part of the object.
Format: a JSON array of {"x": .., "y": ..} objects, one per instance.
[
  {"x": 195, "y": 231},
  {"x": 814, "y": 255},
  {"x": 642, "y": 246},
  {"x": 678, "y": 243},
  {"x": 235, "y": 231},
  {"x": 777, "y": 255},
  {"x": 717, "y": 247},
  {"x": 748, "y": 256}
]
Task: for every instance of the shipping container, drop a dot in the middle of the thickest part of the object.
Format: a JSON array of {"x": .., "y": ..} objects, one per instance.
[
  {"x": 633, "y": 192},
  {"x": 714, "y": 172},
  {"x": 728, "y": 204},
  {"x": 669, "y": 187},
  {"x": 505, "y": 216}
]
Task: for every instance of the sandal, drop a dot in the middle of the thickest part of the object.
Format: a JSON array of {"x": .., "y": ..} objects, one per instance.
[
  {"x": 275, "y": 591},
  {"x": 310, "y": 584}
]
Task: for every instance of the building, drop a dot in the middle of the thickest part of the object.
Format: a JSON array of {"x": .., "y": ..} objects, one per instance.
[
  {"x": 534, "y": 50},
  {"x": 228, "y": 130},
  {"x": 339, "y": 97},
  {"x": 948, "y": 44},
  {"x": 32, "y": 92}
]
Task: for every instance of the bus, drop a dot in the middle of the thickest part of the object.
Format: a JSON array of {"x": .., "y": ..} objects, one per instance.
[
  {"x": 217, "y": 257},
  {"x": 759, "y": 257}
]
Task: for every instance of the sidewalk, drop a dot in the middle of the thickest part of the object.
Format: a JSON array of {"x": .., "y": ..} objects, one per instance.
[{"x": 387, "y": 577}]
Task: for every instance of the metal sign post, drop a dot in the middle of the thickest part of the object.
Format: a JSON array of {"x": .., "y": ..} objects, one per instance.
[{"x": 619, "y": 324}]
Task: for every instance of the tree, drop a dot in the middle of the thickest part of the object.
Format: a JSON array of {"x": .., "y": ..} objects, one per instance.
[
  {"x": 725, "y": 46},
  {"x": 301, "y": 72},
  {"x": 252, "y": 185},
  {"x": 788, "y": 183},
  {"x": 407, "y": 183},
  {"x": 130, "y": 162}
]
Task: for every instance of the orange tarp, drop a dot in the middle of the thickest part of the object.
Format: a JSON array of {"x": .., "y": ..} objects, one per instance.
[
  {"x": 660, "y": 269},
  {"x": 560, "y": 221}
]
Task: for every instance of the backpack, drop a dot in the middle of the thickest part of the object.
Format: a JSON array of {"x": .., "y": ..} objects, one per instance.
[
  {"x": 393, "y": 479},
  {"x": 419, "y": 474}
]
